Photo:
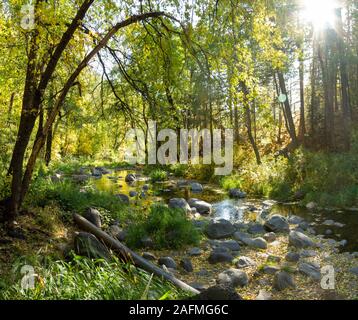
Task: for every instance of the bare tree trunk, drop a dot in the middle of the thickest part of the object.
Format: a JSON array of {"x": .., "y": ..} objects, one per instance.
[{"x": 288, "y": 112}]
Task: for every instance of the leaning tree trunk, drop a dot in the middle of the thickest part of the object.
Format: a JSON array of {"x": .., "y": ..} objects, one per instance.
[{"x": 287, "y": 108}]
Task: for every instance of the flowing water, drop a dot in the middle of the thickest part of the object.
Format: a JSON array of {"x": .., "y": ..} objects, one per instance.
[{"x": 234, "y": 210}]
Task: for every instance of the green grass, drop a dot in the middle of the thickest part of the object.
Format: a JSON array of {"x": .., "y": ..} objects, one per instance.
[
  {"x": 168, "y": 228},
  {"x": 158, "y": 175},
  {"x": 86, "y": 280},
  {"x": 71, "y": 198}
]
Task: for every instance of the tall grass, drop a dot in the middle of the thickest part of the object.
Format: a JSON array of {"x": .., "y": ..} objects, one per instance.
[
  {"x": 168, "y": 228},
  {"x": 86, "y": 280}
]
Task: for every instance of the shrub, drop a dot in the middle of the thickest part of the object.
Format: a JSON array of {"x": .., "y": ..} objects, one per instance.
[
  {"x": 168, "y": 228},
  {"x": 158, "y": 175}
]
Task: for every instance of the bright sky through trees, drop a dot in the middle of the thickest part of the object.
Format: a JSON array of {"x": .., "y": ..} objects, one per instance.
[{"x": 319, "y": 12}]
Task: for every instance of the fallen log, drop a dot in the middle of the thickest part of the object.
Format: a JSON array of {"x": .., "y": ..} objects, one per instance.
[{"x": 131, "y": 255}]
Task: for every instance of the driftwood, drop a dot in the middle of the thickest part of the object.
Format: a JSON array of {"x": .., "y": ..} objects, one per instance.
[{"x": 131, "y": 255}]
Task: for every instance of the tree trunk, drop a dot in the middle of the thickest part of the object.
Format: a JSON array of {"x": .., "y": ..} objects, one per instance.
[{"x": 287, "y": 108}]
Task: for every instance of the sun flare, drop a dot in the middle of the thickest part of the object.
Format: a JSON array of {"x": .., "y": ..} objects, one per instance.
[{"x": 319, "y": 12}]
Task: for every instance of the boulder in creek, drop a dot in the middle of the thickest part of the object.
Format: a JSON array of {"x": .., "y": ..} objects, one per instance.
[
  {"x": 218, "y": 292},
  {"x": 196, "y": 187},
  {"x": 179, "y": 203},
  {"x": 195, "y": 252},
  {"x": 220, "y": 257},
  {"x": 186, "y": 264},
  {"x": 87, "y": 245},
  {"x": 292, "y": 257},
  {"x": 123, "y": 198},
  {"x": 277, "y": 223},
  {"x": 237, "y": 193},
  {"x": 93, "y": 216},
  {"x": 130, "y": 178},
  {"x": 220, "y": 229},
  {"x": 310, "y": 269},
  {"x": 244, "y": 262},
  {"x": 270, "y": 237},
  {"x": 256, "y": 228},
  {"x": 149, "y": 256},
  {"x": 168, "y": 262},
  {"x": 230, "y": 244},
  {"x": 283, "y": 280},
  {"x": 300, "y": 240},
  {"x": 233, "y": 277},
  {"x": 201, "y": 206}
]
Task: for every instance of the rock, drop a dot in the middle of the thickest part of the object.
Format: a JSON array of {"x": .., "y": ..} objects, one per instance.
[
  {"x": 283, "y": 280},
  {"x": 220, "y": 229},
  {"x": 199, "y": 224},
  {"x": 299, "y": 195},
  {"x": 87, "y": 245},
  {"x": 256, "y": 228},
  {"x": 195, "y": 252},
  {"x": 241, "y": 226},
  {"x": 203, "y": 273},
  {"x": 186, "y": 264},
  {"x": 342, "y": 243},
  {"x": 294, "y": 220},
  {"x": 196, "y": 187},
  {"x": 179, "y": 203},
  {"x": 201, "y": 206},
  {"x": 292, "y": 257},
  {"x": 245, "y": 262},
  {"x": 258, "y": 243},
  {"x": 193, "y": 211},
  {"x": 233, "y": 277},
  {"x": 218, "y": 292},
  {"x": 133, "y": 193},
  {"x": 122, "y": 235},
  {"x": 328, "y": 232},
  {"x": 354, "y": 270},
  {"x": 93, "y": 216},
  {"x": 270, "y": 270},
  {"x": 198, "y": 286},
  {"x": 308, "y": 253},
  {"x": 304, "y": 225},
  {"x": 103, "y": 170},
  {"x": 300, "y": 240},
  {"x": 230, "y": 244},
  {"x": 149, "y": 256},
  {"x": 263, "y": 295},
  {"x": 222, "y": 250},
  {"x": 270, "y": 237},
  {"x": 237, "y": 194},
  {"x": 310, "y": 269},
  {"x": 145, "y": 187},
  {"x": 242, "y": 236},
  {"x": 80, "y": 178},
  {"x": 114, "y": 230},
  {"x": 311, "y": 205},
  {"x": 147, "y": 242},
  {"x": 168, "y": 262},
  {"x": 96, "y": 173},
  {"x": 274, "y": 259},
  {"x": 277, "y": 223},
  {"x": 220, "y": 257},
  {"x": 130, "y": 178},
  {"x": 122, "y": 197}
]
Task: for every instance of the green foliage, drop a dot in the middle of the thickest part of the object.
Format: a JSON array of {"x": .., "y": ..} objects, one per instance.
[
  {"x": 158, "y": 175},
  {"x": 85, "y": 279},
  {"x": 71, "y": 198},
  {"x": 168, "y": 228}
]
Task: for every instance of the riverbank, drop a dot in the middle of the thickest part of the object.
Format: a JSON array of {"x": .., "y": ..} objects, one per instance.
[{"x": 261, "y": 263}]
